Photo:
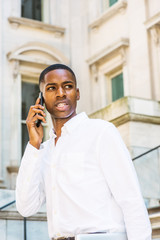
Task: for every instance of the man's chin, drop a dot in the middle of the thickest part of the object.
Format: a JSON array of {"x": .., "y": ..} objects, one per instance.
[{"x": 64, "y": 115}]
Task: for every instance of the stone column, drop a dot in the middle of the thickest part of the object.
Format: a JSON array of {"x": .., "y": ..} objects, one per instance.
[
  {"x": 155, "y": 37},
  {"x": 1, "y": 179},
  {"x": 15, "y": 143}
]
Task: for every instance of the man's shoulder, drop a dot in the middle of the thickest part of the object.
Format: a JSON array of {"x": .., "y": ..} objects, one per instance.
[{"x": 99, "y": 123}]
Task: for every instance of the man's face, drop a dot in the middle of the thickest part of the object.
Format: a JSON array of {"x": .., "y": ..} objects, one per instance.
[{"x": 60, "y": 93}]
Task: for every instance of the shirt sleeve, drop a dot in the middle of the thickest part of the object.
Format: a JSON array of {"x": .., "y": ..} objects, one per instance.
[
  {"x": 121, "y": 177},
  {"x": 29, "y": 186}
]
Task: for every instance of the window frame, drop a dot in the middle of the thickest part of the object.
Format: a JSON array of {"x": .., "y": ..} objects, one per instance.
[
  {"x": 106, "y": 4},
  {"x": 109, "y": 84},
  {"x": 28, "y": 60},
  {"x": 45, "y": 12},
  {"x": 29, "y": 79}
]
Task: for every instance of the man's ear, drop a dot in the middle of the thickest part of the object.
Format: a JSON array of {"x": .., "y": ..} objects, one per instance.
[{"x": 78, "y": 94}]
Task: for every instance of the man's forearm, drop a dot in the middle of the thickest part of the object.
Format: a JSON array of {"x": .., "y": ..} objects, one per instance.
[{"x": 29, "y": 187}]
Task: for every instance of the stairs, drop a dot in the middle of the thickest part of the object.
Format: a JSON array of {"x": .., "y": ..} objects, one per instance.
[
  {"x": 14, "y": 227},
  {"x": 154, "y": 215}
]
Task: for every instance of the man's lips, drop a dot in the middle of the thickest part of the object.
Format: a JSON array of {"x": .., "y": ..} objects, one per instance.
[{"x": 61, "y": 106}]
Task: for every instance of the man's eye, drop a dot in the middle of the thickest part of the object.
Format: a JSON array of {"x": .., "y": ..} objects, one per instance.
[
  {"x": 51, "y": 88},
  {"x": 69, "y": 86}
]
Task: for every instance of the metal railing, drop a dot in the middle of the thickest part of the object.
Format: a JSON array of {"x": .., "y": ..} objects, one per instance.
[
  {"x": 147, "y": 166},
  {"x": 135, "y": 158},
  {"x": 145, "y": 153},
  {"x": 24, "y": 220},
  {"x": 6, "y": 205}
]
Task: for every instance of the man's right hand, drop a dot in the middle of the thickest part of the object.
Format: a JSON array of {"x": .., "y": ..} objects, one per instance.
[{"x": 35, "y": 133}]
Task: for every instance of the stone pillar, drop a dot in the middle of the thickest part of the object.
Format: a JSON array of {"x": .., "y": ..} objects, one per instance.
[
  {"x": 15, "y": 142},
  {"x": 1, "y": 179},
  {"x": 155, "y": 38}
]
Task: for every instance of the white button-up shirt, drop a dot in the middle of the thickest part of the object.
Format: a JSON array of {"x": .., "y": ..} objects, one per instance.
[{"x": 87, "y": 180}]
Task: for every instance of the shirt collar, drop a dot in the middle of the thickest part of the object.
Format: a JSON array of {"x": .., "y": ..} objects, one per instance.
[{"x": 70, "y": 125}]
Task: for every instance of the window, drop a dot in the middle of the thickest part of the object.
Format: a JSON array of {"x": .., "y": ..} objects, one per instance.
[
  {"x": 30, "y": 91},
  {"x": 107, "y": 3},
  {"x": 31, "y": 9},
  {"x": 117, "y": 87},
  {"x": 111, "y": 2}
]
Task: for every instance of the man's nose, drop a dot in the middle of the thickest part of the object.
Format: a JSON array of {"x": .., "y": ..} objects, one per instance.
[{"x": 60, "y": 92}]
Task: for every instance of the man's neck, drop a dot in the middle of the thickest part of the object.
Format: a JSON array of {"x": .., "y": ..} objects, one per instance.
[{"x": 58, "y": 123}]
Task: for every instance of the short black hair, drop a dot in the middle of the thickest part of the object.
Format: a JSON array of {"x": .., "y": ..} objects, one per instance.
[{"x": 54, "y": 67}]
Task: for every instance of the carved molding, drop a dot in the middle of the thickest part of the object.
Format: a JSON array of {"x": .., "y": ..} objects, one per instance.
[
  {"x": 94, "y": 72},
  {"x": 153, "y": 25},
  {"x": 13, "y": 169},
  {"x": 19, "y": 54},
  {"x": 119, "y": 6},
  {"x": 2, "y": 184},
  {"x": 15, "y": 69},
  {"x": 116, "y": 48},
  {"x": 16, "y": 22},
  {"x": 154, "y": 20},
  {"x": 155, "y": 34}
]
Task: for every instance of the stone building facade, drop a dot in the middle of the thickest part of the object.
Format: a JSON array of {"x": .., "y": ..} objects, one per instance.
[{"x": 112, "y": 45}]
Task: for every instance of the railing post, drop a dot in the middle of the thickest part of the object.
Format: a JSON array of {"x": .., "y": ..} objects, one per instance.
[
  {"x": 25, "y": 229},
  {"x": 159, "y": 166}
]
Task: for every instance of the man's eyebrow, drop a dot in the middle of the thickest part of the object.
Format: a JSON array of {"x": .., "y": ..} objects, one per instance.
[
  {"x": 65, "y": 82},
  {"x": 68, "y": 82},
  {"x": 48, "y": 84}
]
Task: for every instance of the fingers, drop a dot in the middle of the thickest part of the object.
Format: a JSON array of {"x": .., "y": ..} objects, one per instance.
[
  {"x": 31, "y": 122},
  {"x": 36, "y": 117},
  {"x": 36, "y": 112},
  {"x": 37, "y": 109},
  {"x": 37, "y": 101}
]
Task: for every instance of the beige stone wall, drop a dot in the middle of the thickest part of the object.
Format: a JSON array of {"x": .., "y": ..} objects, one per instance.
[
  {"x": 98, "y": 44},
  {"x": 28, "y": 47}
]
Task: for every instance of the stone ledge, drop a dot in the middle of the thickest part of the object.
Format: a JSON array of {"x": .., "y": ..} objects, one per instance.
[
  {"x": 13, "y": 169},
  {"x": 14, "y": 215},
  {"x": 110, "y": 50},
  {"x": 135, "y": 118},
  {"x": 119, "y": 6},
  {"x": 154, "y": 20},
  {"x": 154, "y": 210},
  {"x": 2, "y": 184},
  {"x": 130, "y": 109},
  {"x": 16, "y": 22}
]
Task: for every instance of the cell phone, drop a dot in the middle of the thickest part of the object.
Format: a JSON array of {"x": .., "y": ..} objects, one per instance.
[{"x": 41, "y": 102}]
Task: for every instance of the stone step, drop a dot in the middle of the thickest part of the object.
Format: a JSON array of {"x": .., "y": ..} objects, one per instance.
[
  {"x": 154, "y": 216},
  {"x": 11, "y": 214},
  {"x": 156, "y": 226},
  {"x": 14, "y": 215}
]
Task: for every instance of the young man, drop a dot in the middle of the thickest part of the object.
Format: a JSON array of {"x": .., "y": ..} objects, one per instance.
[{"x": 83, "y": 172}]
